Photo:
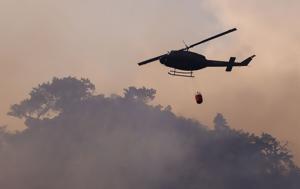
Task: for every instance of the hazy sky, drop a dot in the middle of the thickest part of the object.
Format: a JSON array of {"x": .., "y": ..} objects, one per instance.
[{"x": 103, "y": 41}]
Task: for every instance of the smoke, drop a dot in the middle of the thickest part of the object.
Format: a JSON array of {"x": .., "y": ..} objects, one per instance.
[
  {"x": 75, "y": 138},
  {"x": 269, "y": 88}
]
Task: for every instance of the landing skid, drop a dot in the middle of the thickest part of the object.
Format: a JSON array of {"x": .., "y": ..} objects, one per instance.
[{"x": 181, "y": 73}]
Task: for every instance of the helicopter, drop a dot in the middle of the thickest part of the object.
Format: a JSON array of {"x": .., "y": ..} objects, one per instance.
[{"x": 186, "y": 61}]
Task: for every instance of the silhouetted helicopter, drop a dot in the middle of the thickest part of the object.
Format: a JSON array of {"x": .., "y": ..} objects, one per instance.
[{"x": 187, "y": 61}]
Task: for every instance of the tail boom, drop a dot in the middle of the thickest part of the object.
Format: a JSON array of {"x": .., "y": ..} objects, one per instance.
[{"x": 229, "y": 64}]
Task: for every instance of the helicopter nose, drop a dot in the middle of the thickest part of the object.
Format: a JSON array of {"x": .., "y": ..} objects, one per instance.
[{"x": 163, "y": 60}]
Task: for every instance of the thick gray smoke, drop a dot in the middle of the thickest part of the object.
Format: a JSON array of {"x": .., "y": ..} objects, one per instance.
[{"x": 77, "y": 139}]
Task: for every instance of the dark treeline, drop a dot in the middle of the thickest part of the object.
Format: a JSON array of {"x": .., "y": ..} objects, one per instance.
[{"x": 77, "y": 139}]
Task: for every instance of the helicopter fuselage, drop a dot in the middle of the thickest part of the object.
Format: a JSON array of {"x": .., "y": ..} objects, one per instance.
[{"x": 184, "y": 60}]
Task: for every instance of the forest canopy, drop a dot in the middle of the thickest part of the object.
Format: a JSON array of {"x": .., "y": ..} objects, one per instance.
[{"x": 75, "y": 138}]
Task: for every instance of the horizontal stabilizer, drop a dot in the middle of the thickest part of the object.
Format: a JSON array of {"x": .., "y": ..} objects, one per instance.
[{"x": 230, "y": 64}]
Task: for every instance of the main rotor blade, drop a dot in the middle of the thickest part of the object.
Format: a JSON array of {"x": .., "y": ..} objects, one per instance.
[
  {"x": 208, "y": 39},
  {"x": 151, "y": 60}
]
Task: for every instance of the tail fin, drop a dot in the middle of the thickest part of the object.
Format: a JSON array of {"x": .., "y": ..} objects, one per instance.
[
  {"x": 247, "y": 61},
  {"x": 230, "y": 64}
]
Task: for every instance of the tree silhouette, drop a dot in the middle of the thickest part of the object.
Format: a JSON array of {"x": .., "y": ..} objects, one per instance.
[
  {"x": 77, "y": 139},
  {"x": 53, "y": 97},
  {"x": 142, "y": 94},
  {"x": 220, "y": 122}
]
